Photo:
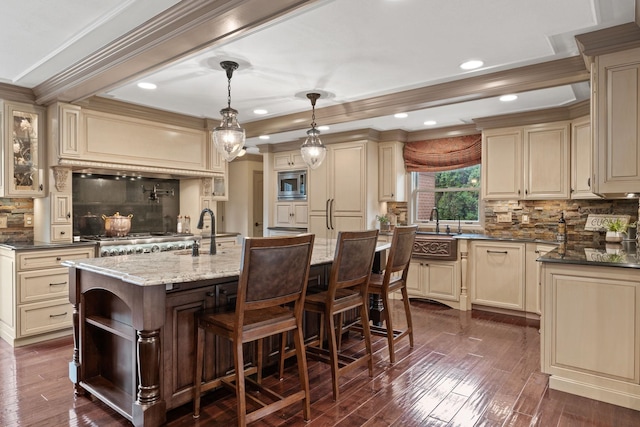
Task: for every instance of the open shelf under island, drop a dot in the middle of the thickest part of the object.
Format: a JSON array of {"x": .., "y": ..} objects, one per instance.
[{"x": 134, "y": 331}]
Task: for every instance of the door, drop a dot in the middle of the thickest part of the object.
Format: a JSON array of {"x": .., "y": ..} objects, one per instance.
[{"x": 258, "y": 204}]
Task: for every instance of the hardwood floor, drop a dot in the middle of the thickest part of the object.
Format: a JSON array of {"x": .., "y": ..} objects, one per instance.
[{"x": 466, "y": 369}]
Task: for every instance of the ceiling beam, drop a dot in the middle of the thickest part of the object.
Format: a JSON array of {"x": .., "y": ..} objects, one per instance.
[{"x": 531, "y": 77}]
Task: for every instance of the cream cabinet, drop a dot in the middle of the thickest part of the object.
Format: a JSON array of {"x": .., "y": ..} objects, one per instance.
[
  {"x": 590, "y": 343},
  {"x": 342, "y": 193},
  {"x": 530, "y": 162},
  {"x": 533, "y": 279},
  {"x": 391, "y": 172},
  {"x": 582, "y": 159},
  {"x": 291, "y": 214},
  {"x": 616, "y": 113},
  {"x": 35, "y": 293},
  {"x": 498, "y": 274},
  {"x": 288, "y": 160},
  {"x": 23, "y": 144},
  {"x": 64, "y": 123},
  {"x": 436, "y": 280}
]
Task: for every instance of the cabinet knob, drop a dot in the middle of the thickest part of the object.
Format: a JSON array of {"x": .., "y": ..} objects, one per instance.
[
  {"x": 210, "y": 294},
  {"x": 41, "y": 187},
  {"x": 589, "y": 182},
  {"x": 62, "y": 232},
  {"x": 68, "y": 214},
  {"x": 391, "y": 194},
  {"x": 58, "y": 258}
]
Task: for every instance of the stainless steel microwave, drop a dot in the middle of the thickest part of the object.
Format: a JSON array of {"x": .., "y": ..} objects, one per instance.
[{"x": 292, "y": 185}]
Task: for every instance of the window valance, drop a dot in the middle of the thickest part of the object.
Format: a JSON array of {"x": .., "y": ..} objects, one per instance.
[{"x": 443, "y": 154}]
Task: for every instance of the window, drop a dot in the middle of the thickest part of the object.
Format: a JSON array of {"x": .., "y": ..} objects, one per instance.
[{"x": 456, "y": 194}]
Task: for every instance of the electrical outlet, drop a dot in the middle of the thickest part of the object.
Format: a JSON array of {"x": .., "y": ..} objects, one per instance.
[
  {"x": 28, "y": 220},
  {"x": 3, "y": 221},
  {"x": 525, "y": 219},
  {"x": 504, "y": 217}
]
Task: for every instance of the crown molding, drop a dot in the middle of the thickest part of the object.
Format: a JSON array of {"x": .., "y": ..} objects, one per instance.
[
  {"x": 535, "y": 117},
  {"x": 14, "y": 93},
  {"x": 445, "y": 132},
  {"x": 608, "y": 40}
]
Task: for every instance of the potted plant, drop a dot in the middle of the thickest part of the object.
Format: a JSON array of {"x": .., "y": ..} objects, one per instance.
[
  {"x": 384, "y": 222},
  {"x": 616, "y": 229}
]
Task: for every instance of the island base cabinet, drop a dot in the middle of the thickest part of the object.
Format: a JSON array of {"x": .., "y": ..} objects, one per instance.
[
  {"x": 434, "y": 280},
  {"x": 591, "y": 332}
]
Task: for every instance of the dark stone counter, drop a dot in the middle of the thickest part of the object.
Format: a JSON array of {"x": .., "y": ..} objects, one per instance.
[{"x": 623, "y": 254}]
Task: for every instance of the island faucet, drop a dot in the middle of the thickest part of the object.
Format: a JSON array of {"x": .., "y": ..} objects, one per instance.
[
  {"x": 212, "y": 248},
  {"x": 437, "y": 219}
]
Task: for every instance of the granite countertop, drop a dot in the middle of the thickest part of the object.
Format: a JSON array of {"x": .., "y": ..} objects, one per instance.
[
  {"x": 476, "y": 236},
  {"x": 623, "y": 254},
  {"x": 179, "y": 266},
  {"x": 26, "y": 246}
]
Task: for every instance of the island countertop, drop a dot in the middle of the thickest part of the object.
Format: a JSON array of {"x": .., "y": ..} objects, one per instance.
[
  {"x": 621, "y": 255},
  {"x": 179, "y": 266}
]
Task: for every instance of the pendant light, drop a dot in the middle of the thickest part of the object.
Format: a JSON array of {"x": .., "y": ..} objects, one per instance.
[
  {"x": 229, "y": 136},
  {"x": 313, "y": 151}
]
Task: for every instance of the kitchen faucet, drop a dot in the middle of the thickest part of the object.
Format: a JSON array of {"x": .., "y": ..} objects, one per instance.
[
  {"x": 212, "y": 248},
  {"x": 437, "y": 219}
]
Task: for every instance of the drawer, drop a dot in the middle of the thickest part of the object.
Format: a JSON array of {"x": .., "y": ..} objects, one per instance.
[
  {"x": 47, "y": 316},
  {"x": 51, "y": 258},
  {"x": 42, "y": 285},
  {"x": 61, "y": 233}
]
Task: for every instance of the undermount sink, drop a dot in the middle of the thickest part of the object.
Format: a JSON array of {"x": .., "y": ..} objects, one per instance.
[{"x": 443, "y": 247}]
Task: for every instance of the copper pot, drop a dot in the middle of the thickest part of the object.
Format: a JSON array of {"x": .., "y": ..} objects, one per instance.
[{"x": 117, "y": 225}]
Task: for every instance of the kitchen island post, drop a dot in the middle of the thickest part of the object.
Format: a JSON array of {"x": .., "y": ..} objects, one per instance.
[{"x": 134, "y": 327}]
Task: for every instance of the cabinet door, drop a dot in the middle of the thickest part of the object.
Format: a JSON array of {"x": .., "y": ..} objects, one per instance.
[
  {"x": 23, "y": 141},
  {"x": 498, "y": 275},
  {"x": 284, "y": 214},
  {"x": 300, "y": 214},
  {"x": 617, "y": 116},
  {"x": 61, "y": 208},
  {"x": 442, "y": 281},
  {"x": 502, "y": 164},
  {"x": 581, "y": 160},
  {"x": 533, "y": 291},
  {"x": 415, "y": 281},
  {"x": 546, "y": 161},
  {"x": 347, "y": 179},
  {"x": 391, "y": 173},
  {"x": 282, "y": 161}
]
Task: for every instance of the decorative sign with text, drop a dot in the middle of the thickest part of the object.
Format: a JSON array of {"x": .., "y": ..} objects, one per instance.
[{"x": 599, "y": 222}]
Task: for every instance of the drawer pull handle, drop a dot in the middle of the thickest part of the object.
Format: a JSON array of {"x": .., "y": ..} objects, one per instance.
[
  {"x": 497, "y": 252},
  {"x": 58, "y": 315},
  {"x": 58, "y": 284}
]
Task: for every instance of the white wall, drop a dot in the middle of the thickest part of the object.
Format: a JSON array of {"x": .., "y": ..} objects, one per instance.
[{"x": 239, "y": 208}]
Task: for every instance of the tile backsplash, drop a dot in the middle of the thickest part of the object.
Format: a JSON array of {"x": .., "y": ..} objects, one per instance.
[
  {"x": 15, "y": 210},
  {"x": 543, "y": 216}
]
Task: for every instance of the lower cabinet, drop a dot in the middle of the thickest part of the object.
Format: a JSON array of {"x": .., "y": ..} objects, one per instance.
[
  {"x": 34, "y": 293},
  {"x": 590, "y": 339},
  {"x": 533, "y": 280},
  {"x": 435, "y": 280},
  {"x": 291, "y": 214},
  {"x": 498, "y": 274}
]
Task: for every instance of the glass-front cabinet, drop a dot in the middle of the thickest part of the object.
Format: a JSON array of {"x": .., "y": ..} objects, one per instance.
[{"x": 23, "y": 141}]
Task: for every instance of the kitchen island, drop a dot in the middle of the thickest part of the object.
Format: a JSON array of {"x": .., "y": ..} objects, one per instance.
[
  {"x": 134, "y": 331},
  {"x": 590, "y": 344}
]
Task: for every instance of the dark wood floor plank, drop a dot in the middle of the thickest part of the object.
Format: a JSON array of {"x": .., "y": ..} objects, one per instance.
[{"x": 466, "y": 369}]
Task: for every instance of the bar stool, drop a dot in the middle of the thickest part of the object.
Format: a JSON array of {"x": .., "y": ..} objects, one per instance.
[
  {"x": 347, "y": 290},
  {"x": 274, "y": 271},
  {"x": 394, "y": 278}
]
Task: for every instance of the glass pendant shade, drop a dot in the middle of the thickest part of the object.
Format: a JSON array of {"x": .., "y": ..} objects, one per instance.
[
  {"x": 313, "y": 151},
  {"x": 229, "y": 137}
]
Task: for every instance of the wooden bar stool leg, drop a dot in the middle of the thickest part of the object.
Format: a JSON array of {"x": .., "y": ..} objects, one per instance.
[
  {"x": 389, "y": 325},
  {"x": 407, "y": 312},
  {"x": 303, "y": 373},
  {"x": 283, "y": 345},
  {"x": 364, "y": 312},
  {"x": 339, "y": 330},
  {"x": 259, "y": 361},
  {"x": 198, "y": 375},
  {"x": 240, "y": 386},
  {"x": 331, "y": 338}
]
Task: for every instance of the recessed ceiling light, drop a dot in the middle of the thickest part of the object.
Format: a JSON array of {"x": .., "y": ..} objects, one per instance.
[
  {"x": 400, "y": 115},
  {"x": 260, "y": 111},
  {"x": 264, "y": 137},
  {"x": 472, "y": 64},
  {"x": 430, "y": 123},
  {"x": 147, "y": 85},
  {"x": 507, "y": 98},
  {"x": 323, "y": 128}
]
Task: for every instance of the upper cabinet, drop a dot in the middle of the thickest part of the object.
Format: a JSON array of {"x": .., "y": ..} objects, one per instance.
[
  {"x": 616, "y": 109},
  {"x": 23, "y": 150},
  {"x": 581, "y": 159},
  {"x": 530, "y": 162},
  {"x": 288, "y": 160},
  {"x": 391, "y": 172}
]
